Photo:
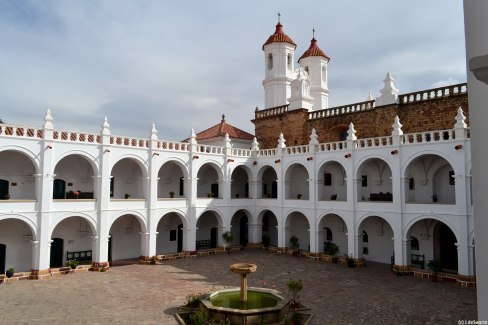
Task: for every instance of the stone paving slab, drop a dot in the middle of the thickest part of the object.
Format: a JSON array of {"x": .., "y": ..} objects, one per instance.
[{"x": 150, "y": 294}]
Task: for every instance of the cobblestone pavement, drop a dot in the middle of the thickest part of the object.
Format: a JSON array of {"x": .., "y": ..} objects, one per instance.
[{"x": 147, "y": 294}]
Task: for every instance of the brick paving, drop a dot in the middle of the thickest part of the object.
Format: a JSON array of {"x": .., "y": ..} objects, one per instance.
[{"x": 147, "y": 294}]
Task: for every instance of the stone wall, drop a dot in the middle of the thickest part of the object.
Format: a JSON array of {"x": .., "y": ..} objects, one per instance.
[{"x": 419, "y": 116}]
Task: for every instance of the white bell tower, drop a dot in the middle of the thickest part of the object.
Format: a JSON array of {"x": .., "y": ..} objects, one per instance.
[
  {"x": 279, "y": 53},
  {"x": 315, "y": 61}
]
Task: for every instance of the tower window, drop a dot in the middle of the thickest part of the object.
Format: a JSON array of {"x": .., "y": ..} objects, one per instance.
[
  {"x": 289, "y": 61},
  {"x": 306, "y": 69},
  {"x": 270, "y": 61}
]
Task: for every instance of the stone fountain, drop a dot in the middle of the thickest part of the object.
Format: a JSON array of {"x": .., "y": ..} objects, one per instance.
[{"x": 243, "y": 269}]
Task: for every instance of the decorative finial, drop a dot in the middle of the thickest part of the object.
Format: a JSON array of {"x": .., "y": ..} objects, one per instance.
[
  {"x": 279, "y": 17},
  {"x": 223, "y": 117},
  {"x": 313, "y": 32}
]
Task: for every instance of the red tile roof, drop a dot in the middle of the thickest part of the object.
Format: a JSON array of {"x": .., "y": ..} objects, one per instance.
[
  {"x": 221, "y": 129},
  {"x": 313, "y": 50},
  {"x": 279, "y": 36}
]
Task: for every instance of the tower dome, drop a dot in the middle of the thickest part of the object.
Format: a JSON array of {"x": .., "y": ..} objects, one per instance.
[
  {"x": 279, "y": 36},
  {"x": 314, "y": 50}
]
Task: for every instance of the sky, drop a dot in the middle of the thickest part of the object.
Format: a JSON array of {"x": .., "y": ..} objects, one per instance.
[{"x": 182, "y": 64}]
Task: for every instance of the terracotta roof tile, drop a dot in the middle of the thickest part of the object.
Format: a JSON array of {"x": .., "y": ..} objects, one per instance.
[
  {"x": 221, "y": 129},
  {"x": 279, "y": 36},
  {"x": 313, "y": 50}
]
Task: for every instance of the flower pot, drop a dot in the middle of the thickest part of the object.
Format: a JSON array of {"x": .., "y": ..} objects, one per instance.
[
  {"x": 9, "y": 274},
  {"x": 73, "y": 266}
]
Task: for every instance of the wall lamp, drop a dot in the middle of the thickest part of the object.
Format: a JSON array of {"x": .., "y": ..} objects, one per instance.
[
  {"x": 458, "y": 147},
  {"x": 106, "y": 150},
  {"x": 155, "y": 154},
  {"x": 255, "y": 163},
  {"x": 230, "y": 160},
  {"x": 394, "y": 152},
  {"x": 196, "y": 157},
  {"x": 347, "y": 155},
  {"x": 277, "y": 161},
  {"x": 49, "y": 147},
  {"x": 309, "y": 158}
]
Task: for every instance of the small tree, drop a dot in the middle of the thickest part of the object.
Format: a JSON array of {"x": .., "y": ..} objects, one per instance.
[
  {"x": 294, "y": 288},
  {"x": 227, "y": 237},
  {"x": 294, "y": 244}
]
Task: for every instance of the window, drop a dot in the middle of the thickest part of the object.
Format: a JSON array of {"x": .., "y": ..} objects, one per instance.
[
  {"x": 306, "y": 69},
  {"x": 182, "y": 186},
  {"x": 414, "y": 243},
  {"x": 411, "y": 183},
  {"x": 364, "y": 181},
  {"x": 270, "y": 61},
  {"x": 327, "y": 179},
  {"x": 289, "y": 60},
  {"x": 365, "y": 237},
  {"x": 365, "y": 250}
]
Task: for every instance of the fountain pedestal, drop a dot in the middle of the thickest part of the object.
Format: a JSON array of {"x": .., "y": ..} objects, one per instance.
[{"x": 243, "y": 269}]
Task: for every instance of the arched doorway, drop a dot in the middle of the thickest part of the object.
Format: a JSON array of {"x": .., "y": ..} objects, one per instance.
[
  {"x": 207, "y": 235},
  {"x": 269, "y": 229},
  {"x": 269, "y": 183},
  {"x": 15, "y": 245},
  {"x": 125, "y": 238},
  {"x": 3, "y": 250},
  {"x": 57, "y": 248},
  {"x": 332, "y": 229},
  {"x": 296, "y": 182},
  {"x": 445, "y": 249},
  {"x": 375, "y": 185},
  {"x": 297, "y": 225},
  {"x": 208, "y": 182},
  {"x": 375, "y": 240},
  {"x": 239, "y": 228},
  {"x": 239, "y": 183},
  {"x": 170, "y": 234}
]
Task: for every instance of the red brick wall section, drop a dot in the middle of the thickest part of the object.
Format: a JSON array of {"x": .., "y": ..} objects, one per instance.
[{"x": 428, "y": 115}]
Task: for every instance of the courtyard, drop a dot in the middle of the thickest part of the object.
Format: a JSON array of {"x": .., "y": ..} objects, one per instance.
[{"x": 132, "y": 293}]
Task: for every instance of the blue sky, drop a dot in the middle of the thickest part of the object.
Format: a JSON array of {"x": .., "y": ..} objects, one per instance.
[{"x": 182, "y": 64}]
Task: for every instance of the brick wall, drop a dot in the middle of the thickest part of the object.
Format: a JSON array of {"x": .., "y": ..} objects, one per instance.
[{"x": 426, "y": 115}]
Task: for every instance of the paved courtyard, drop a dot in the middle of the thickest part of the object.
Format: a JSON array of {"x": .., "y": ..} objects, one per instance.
[{"x": 146, "y": 294}]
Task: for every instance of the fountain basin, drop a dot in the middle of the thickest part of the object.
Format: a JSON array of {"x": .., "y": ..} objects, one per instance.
[{"x": 263, "y": 306}]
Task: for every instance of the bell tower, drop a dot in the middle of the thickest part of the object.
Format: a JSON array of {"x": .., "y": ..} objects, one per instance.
[
  {"x": 279, "y": 53},
  {"x": 315, "y": 62}
]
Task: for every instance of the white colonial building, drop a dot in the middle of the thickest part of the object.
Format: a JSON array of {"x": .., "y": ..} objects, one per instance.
[{"x": 103, "y": 197}]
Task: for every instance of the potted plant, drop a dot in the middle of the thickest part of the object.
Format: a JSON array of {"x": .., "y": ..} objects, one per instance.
[
  {"x": 294, "y": 288},
  {"x": 172, "y": 194},
  {"x": 434, "y": 198},
  {"x": 153, "y": 260},
  {"x": 227, "y": 237},
  {"x": 299, "y": 196},
  {"x": 294, "y": 245},
  {"x": 210, "y": 194},
  {"x": 435, "y": 266},
  {"x": 333, "y": 250},
  {"x": 72, "y": 263},
  {"x": 10, "y": 272},
  {"x": 127, "y": 195}
]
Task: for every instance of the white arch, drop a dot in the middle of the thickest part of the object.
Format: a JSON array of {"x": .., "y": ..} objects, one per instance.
[
  {"x": 34, "y": 158},
  {"x": 139, "y": 160},
  {"x": 262, "y": 169},
  {"x": 90, "y": 158},
  {"x": 249, "y": 214},
  {"x": 406, "y": 163},
  {"x": 90, "y": 219},
  {"x": 139, "y": 216},
  {"x": 327, "y": 161},
  {"x": 413, "y": 221},
  {"x": 29, "y": 222},
  {"x": 247, "y": 169},
  {"x": 181, "y": 214},
  {"x": 179, "y": 162},
  {"x": 217, "y": 213},
  {"x": 215, "y": 165},
  {"x": 287, "y": 168},
  {"x": 288, "y": 214},
  {"x": 373, "y": 214},
  {"x": 332, "y": 212},
  {"x": 365, "y": 159}
]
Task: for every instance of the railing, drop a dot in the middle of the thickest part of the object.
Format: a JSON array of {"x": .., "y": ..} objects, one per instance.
[
  {"x": 429, "y": 136},
  {"x": 210, "y": 149},
  {"x": 296, "y": 150},
  {"x": 20, "y": 131},
  {"x": 241, "y": 152},
  {"x": 339, "y": 110},
  {"x": 374, "y": 142},
  {"x": 129, "y": 142},
  {"x": 267, "y": 153},
  {"x": 271, "y": 111},
  {"x": 433, "y": 93},
  {"x": 75, "y": 137},
  {"x": 173, "y": 146},
  {"x": 333, "y": 146}
]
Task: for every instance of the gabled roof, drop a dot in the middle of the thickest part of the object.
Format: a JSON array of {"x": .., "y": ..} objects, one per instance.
[
  {"x": 314, "y": 50},
  {"x": 219, "y": 130},
  {"x": 279, "y": 36}
]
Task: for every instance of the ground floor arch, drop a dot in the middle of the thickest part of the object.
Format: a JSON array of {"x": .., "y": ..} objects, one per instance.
[
  {"x": 297, "y": 225},
  {"x": 240, "y": 228},
  {"x": 432, "y": 239},
  {"x": 169, "y": 234},
  {"x": 375, "y": 240},
  {"x": 15, "y": 245},
  {"x": 125, "y": 238},
  {"x": 332, "y": 229},
  {"x": 72, "y": 234},
  {"x": 269, "y": 228},
  {"x": 209, "y": 230}
]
